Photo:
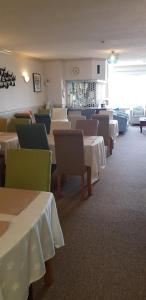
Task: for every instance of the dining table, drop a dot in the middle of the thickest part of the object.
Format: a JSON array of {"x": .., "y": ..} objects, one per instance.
[
  {"x": 94, "y": 151},
  {"x": 8, "y": 140},
  {"x": 29, "y": 233},
  {"x": 113, "y": 129}
]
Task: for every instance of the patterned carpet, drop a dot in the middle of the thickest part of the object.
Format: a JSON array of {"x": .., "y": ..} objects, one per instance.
[{"x": 105, "y": 253}]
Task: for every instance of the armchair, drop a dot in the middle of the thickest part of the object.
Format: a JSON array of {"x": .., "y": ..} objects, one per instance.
[
  {"x": 136, "y": 113},
  {"x": 122, "y": 122}
]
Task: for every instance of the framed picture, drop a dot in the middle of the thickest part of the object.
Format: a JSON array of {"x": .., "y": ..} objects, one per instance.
[{"x": 36, "y": 82}]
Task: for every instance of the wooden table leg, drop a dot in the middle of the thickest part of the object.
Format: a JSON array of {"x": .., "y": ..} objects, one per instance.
[
  {"x": 111, "y": 145},
  {"x": 48, "y": 278}
]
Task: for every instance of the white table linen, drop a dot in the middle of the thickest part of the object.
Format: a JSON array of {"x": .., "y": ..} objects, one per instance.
[
  {"x": 29, "y": 241},
  {"x": 8, "y": 140},
  {"x": 114, "y": 129},
  {"x": 95, "y": 155}
]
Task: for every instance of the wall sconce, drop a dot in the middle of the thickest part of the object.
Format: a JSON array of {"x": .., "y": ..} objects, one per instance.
[
  {"x": 26, "y": 77},
  {"x": 113, "y": 58},
  {"x": 46, "y": 82}
]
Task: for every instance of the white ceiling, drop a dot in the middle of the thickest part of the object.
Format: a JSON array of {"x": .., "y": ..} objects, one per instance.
[{"x": 54, "y": 29}]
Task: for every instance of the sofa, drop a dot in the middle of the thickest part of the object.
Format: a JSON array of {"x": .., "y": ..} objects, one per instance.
[{"x": 122, "y": 119}]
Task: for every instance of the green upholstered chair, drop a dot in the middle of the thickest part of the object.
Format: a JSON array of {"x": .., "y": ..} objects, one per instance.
[
  {"x": 14, "y": 121},
  {"x": 44, "y": 110},
  {"x": 28, "y": 169},
  {"x": 3, "y": 124}
]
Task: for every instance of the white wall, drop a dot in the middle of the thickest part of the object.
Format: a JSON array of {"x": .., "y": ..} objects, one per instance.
[
  {"x": 87, "y": 69},
  {"x": 21, "y": 96},
  {"x": 58, "y": 71},
  {"x": 54, "y": 81}
]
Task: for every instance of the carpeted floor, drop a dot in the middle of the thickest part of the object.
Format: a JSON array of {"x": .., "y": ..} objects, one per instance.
[{"x": 105, "y": 253}]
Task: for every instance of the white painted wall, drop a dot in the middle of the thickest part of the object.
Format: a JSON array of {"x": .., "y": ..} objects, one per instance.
[
  {"x": 21, "y": 96},
  {"x": 54, "y": 82},
  {"x": 53, "y": 76},
  {"x": 58, "y": 71},
  {"x": 84, "y": 66},
  {"x": 87, "y": 69}
]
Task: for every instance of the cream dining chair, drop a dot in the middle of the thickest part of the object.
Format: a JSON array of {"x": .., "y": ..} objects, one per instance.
[
  {"x": 89, "y": 127},
  {"x": 74, "y": 118},
  {"x": 59, "y": 113},
  {"x": 69, "y": 150}
]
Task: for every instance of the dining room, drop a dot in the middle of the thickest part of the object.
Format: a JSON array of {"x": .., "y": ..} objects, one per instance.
[
  {"x": 72, "y": 189},
  {"x": 31, "y": 163}
]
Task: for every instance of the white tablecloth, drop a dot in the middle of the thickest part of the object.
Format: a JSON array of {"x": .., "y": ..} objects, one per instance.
[
  {"x": 114, "y": 129},
  {"x": 8, "y": 140},
  {"x": 29, "y": 241},
  {"x": 95, "y": 156}
]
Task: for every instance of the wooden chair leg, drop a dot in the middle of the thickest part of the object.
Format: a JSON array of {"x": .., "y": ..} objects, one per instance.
[
  {"x": 30, "y": 296},
  {"x": 58, "y": 186},
  {"x": 82, "y": 187},
  {"x": 48, "y": 278},
  {"x": 89, "y": 181}
]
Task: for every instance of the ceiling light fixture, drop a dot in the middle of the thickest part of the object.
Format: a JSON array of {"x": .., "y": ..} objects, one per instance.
[
  {"x": 113, "y": 58},
  {"x": 5, "y": 51}
]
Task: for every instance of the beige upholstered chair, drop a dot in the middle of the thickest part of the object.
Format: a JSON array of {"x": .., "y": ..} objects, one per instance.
[
  {"x": 73, "y": 119},
  {"x": 89, "y": 127},
  {"x": 103, "y": 130},
  {"x": 70, "y": 160},
  {"x": 107, "y": 112},
  {"x": 59, "y": 113}
]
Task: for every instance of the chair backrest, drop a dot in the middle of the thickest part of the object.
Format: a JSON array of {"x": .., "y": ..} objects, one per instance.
[
  {"x": 27, "y": 115},
  {"x": 28, "y": 169},
  {"x": 108, "y": 112},
  {"x": 73, "y": 119},
  {"x": 69, "y": 150},
  {"x": 138, "y": 111},
  {"x": 59, "y": 113},
  {"x": 44, "y": 119},
  {"x": 89, "y": 127},
  {"x": 43, "y": 110},
  {"x": 3, "y": 124},
  {"x": 11, "y": 127},
  {"x": 88, "y": 113},
  {"x": 32, "y": 136},
  {"x": 103, "y": 127},
  {"x": 59, "y": 125}
]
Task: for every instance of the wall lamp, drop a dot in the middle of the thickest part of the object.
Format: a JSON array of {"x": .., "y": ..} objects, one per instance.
[{"x": 25, "y": 76}]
